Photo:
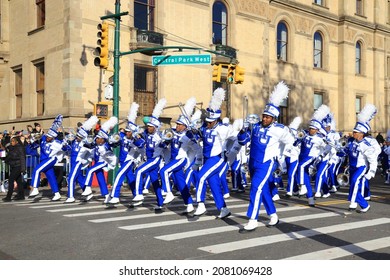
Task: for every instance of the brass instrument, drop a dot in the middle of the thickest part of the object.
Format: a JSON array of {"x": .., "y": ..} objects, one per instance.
[
  {"x": 312, "y": 170},
  {"x": 277, "y": 173},
  {"x": 343, "y": 178},
  {"x": 300, "y": 134},
  {"x": 35, "y": 137},
  {"x": 89, "y": 140},
  {"x": 244, "y": 168},
  {"x": 167, "y": 134},
  {"x": 114, "y": 138},
  {"x": 253, "y": 118}
]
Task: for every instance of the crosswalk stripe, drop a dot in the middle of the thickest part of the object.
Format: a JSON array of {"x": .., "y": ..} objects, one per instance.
[
  {"x": 189, "y": 220},
  {"x": 254, "y": 242},
  {"x": 343, "y": 251},
  {"x": 149, "y": 215},
  {"x": 207, "y": 231},
  {"x": 83, "y": 208}
]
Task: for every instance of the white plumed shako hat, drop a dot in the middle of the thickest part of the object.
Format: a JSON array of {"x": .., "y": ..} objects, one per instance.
[
  {"x": 364, "y": 117},
  {"x": 157, "y": 111},
  {"x": 214, "y": 111},
  {"x": 278, "y": 95}
]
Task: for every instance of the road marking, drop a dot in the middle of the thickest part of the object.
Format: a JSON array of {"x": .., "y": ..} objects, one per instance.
[
  {"x": 207, "y": 231},
  {"x": 189, "y": 220},
  {"x": 149, "y": 215},
  {"x": 254, "y": 242},
  {"x": 343, "y": 251}
]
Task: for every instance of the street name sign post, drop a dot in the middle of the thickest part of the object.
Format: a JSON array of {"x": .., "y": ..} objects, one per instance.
[{"x": 190, "y": 59}]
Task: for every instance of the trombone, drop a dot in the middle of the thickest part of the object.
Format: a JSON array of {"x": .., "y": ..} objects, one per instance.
[{"x": 193, "y": 125}]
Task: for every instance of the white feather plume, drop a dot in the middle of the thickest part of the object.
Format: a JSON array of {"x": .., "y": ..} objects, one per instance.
[
  {"x": 133, "y": 112},
  {"x": 189, "y": 106},
  {"x": 90, "y": 123},
  {"x": 295, "y": 123},
  {"x": 113, "y": 121},
  {"x": 158, "y": 109},
  {"x": 237, "y": 124},
  {"x": 197, "y": 115},
  {"x": 217, "y": 99},
  {"x": 279, "y": 94},
  {"x": 321, "y": 113},
  {"x": 367, "y": 113}
]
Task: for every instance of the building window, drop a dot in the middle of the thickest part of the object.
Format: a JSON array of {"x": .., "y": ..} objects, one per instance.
[
  {"x": 319, "y": 2},
  {"x": 145, "y": 88},
  {"x": 283, "y": 116},
  {"x": 388, "y": 67},
  {"x": 282, "y": 41},
  {"x": 18, "y": 92},
  {"x": 144, "y": 14},
  {"x": 358, "y": 58},
  {"x": 318, "y": 50},
  {"x": 220, "y": 23},
  {"x": 40, "y": 87},
  {"x": 358, "y": 105},
  {"x": 359, "y": 7},
  {"x": 40, "y": 12},
  {"x": 318, "y": 99}
]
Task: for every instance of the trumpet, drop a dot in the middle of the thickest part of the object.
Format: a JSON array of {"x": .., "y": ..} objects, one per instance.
[
  {"x": 244, "y": 168},
  {"x": 300, "y": 134},
  {"x": 35, "y": 137},
  {"x": 277, "y": 173},
  {"x": 70, "y": 137},
  {"x": 252, "y": 118},
  {"x": 167, "y": 134},
  {"x": 114, "y": 138}
]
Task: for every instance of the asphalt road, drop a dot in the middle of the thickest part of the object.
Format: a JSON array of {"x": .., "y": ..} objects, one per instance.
[{"x": 43, "y": 230}]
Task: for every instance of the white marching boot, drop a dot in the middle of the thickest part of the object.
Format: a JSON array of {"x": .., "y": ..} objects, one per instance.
[
  {"x": 273, "y": 220},
  {"x": 87, "y": 191},
  {"x": 303, "y": 190},
  {"x": 56, "y": 197},
  {"x": 168, "y": 198},
  {"x": 114, "y": 200},
  {"x": 251, "y": 225},
  {"x": 70, "y": 200},
  {"x": 225, "y": 212},
  {"x": 33, "y": 193},
  {"x": 200, "y": 210}
]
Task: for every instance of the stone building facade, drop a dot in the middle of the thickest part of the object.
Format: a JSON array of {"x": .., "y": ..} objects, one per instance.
[{"x": 332, "y": 52}]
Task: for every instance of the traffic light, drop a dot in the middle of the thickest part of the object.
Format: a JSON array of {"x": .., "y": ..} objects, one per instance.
[
  {"x": 239, "y": 75},
  {"x": 101, "y": 110},
  {"x": 217, "y": 73},
  {"x": 230, "y": 74},
  {"x": 102, "y": 48}
]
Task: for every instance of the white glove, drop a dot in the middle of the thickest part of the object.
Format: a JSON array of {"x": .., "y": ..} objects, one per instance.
[
  {"x": 369, "y": 175},
  {"x": 245, "y": 125}
]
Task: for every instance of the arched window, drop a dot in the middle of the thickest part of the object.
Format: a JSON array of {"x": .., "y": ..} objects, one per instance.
[
  {"x": 358, "y": 58},
  {"x": 220, "y": 23},
  {"x": 282, "y": 41},
  {"x": 318, "y": 50}
]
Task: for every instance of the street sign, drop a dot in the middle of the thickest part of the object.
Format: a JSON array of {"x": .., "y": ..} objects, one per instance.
[{"x": 190, "y": 59}]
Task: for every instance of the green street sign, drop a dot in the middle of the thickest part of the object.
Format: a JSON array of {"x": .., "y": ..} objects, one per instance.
[{"x": 190, "y": 59}]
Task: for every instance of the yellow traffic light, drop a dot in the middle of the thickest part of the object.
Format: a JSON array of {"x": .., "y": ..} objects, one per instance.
[
  {"x": 102, "y": 48},
  {"x": 239, "y": 75},
  {"x": 217, "y": 73},
  {"x": 230, "y": 74},
  {"x": 101, "y": 110}
]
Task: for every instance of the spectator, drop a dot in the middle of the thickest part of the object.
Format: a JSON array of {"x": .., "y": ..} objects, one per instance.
[
  {"x": 16, "y": 159},
  {"x": 380, "y": 139}
]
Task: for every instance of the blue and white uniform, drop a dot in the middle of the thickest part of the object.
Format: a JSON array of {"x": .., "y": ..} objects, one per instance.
[
  {"x": 363, "y": 158},
  {"x": 183, "y": 151},
  {"x": 51, "y": 152},
  {"x": 130, "y": 151},
  {"x": 213, "y": 149},
  {"x": 153, "y": 150},
  {"x": 265, "y": 143}
]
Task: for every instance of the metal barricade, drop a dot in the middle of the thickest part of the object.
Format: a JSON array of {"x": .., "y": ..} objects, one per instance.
[
  {"x": 4, "y": 172},
  {"x": 31, "y": 163}
]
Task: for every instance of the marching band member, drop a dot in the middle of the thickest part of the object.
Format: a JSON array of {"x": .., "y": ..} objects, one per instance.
[
  {"x": 236, "y": 166},
  {"x": 335, "y": 161},
  {"x": 292, "y": 160},
  {"x": 130, "y": 151},
  {"x": 78, "y": 158},
  {"x": 213, "y": 135},
  {"x": 363, "y": 158},
  {"x": 265, "y": 138},
  {"x": 321, "y": 183},
  {"x": 312, "y": 146},
  {"x": 51, "y": 152},
  {"x": 386, "y": 152},
  {"x": 181, "y": 149},
  {"x": 154, "y": 151},
  {"x": 104, "y": 159}
]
